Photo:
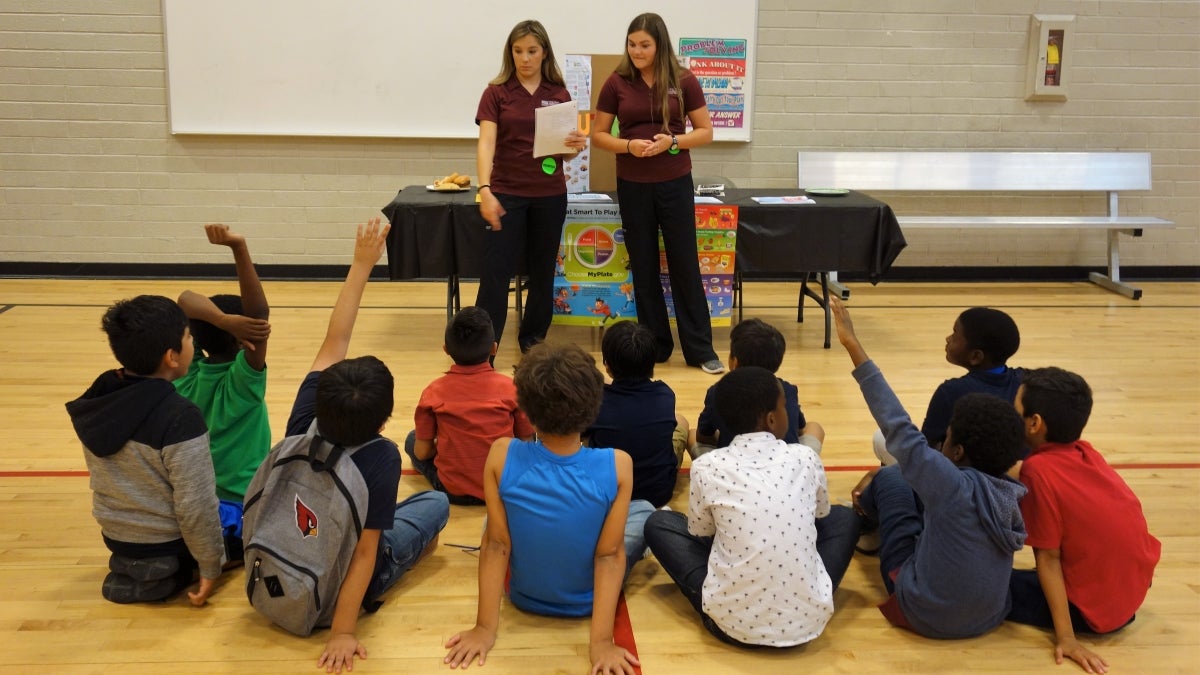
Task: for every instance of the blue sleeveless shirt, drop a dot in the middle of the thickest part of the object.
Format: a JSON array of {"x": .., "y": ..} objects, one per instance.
[{"x": 556, "y": 507}]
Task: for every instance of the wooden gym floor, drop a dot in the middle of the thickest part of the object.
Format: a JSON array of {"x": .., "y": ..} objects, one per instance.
[{"x": 1142, "y": 358}]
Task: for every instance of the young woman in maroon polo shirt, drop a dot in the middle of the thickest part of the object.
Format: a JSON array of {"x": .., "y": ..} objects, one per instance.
[
  {"x": 523, "y": 198},
  {"x": 650, "y": 96}
]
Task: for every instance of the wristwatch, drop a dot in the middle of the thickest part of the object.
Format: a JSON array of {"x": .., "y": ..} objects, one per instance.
[{"x": 674, "y": 144}]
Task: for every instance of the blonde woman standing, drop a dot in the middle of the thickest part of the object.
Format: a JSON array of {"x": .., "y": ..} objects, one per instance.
[
  {"x": 652, "y": 98},
  {"x": 523, "y": 198}
]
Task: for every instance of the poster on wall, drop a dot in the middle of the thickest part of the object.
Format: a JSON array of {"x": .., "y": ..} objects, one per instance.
[
  {"x": 577, "y": 71},
  {"x": 720, "y": 66},
  {"x": 592, "y": 282},
  {"x": 716, "y": 249}
]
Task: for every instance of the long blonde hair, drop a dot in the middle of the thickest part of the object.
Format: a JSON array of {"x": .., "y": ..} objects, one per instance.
[
  {"x": 666, "y": 67},
  {"x": 550, "y": 71}
]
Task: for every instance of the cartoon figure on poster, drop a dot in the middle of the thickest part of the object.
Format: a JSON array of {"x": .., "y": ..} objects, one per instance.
[
  {"x": 595, "y": 286},
  {"x": 716, "y": 246}
]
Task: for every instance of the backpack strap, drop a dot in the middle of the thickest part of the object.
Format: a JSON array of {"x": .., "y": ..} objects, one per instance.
[{"x": 316, "y": 461}]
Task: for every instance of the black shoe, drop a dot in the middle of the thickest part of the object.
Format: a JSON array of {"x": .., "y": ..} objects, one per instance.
[
  {"x": 144, "y": 569},
  {"x": 124, "y": 589},
  {"x": 526, "y": 345}
]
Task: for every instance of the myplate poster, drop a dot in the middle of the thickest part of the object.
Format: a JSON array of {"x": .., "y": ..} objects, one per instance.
[
  {"x": 592, "y": 282},
  {"x": 720, "y": 65}
]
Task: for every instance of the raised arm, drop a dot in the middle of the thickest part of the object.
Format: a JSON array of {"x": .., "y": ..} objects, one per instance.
[
  {"x": 369, "y": 245},
  {"x": 609, "y": 564},
  {"x": 254, "y": 299}
]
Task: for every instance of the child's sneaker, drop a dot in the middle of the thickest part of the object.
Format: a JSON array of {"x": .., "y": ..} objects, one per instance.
[
  {"x": 144, "y": 569},
  {"x": 124, "y": 589}
]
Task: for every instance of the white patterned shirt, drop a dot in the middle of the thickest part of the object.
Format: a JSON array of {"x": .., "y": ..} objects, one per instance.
[{"x": 758, "y": 498}]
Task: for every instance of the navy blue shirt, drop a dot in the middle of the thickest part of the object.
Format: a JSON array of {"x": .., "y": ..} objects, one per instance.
[
  {"x": 941, "y": 404},
  {"x": 638, "y": 416},
  {"x": 379, "y": 463},
  {"x": 710, "y": 422}
]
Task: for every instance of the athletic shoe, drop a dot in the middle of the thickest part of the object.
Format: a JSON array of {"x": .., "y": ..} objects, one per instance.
[{"x": 714, "y": 367}]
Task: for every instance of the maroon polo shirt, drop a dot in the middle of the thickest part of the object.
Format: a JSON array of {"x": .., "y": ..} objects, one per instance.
[
  {"x": 639, "y": 113},
  {"x": 515, "y": 171}
]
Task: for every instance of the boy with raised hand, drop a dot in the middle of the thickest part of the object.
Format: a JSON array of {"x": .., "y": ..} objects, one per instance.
[
  {"x": 146, "y": 447},
  {"x": 1095, "y": 555},
  {"x": 559, "y": 518},
  {"x": 461, "y": 413},
  {"x": 947, "y": 566},
  {"x": 350, "y": 400},
  {"x": 228, "y": 379}
]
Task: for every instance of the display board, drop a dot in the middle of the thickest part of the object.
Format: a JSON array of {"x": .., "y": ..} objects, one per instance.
[{"x": 380, "y": 68}]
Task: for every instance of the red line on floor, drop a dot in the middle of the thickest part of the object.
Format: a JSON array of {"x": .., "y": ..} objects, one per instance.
[{"x": 623, "y": 630}]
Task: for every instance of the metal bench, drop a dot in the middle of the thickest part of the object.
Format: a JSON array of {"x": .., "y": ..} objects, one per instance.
[{"x": 1108, "y": 172}]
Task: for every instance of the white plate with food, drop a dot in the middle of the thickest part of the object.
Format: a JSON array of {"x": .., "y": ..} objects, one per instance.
[{"x": 447, "y": 187}]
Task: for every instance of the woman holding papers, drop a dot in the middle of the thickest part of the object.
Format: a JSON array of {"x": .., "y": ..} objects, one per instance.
[
  {"x": 523, "y": 198},
  {"x": 650, "y": 96}
]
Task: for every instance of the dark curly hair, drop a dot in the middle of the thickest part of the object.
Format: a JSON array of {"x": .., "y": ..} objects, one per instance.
[
  {"x": 212, "y": 340},
  {"x": 559, "y": 388},
  {"x": 755, "y": 342},
  {"x": 992, "y": 332},
  {"x": 1062, "y": 398},
  {"x": 744, "y": 396},
  {"x": 469, "y": 336},
  {"x": 629, "y": 350},
  {"x": 990, "y": 432},
  {"x": 142, "y": 329}
]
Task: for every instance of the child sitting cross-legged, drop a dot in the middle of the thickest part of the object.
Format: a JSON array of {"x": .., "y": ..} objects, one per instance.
[
  {"x": 949, "y": 520},
  {"x": 761, "y": 551},
  {"x": 559, "y": 518}
]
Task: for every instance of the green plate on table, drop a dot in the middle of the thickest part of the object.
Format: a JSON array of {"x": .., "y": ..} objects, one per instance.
[{"x": 827, "y": 192}]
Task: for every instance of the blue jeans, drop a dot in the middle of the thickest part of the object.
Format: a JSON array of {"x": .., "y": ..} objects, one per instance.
[
  {"x": 417, "y": 522},
  {"x": 684, "y": 556},
  {"x": 635, "y": 538},
  {"x": 890, "y": 500}
]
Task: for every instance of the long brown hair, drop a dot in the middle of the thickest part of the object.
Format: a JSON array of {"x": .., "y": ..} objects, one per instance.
[
  {"x": 550, "y": 71},
  {"x": 666, "y": 67}
]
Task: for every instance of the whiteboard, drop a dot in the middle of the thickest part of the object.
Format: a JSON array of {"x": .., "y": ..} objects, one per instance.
[{"x": 389, "y": 68}]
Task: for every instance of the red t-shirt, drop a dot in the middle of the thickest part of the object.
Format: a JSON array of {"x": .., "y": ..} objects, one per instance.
[
  {"x": 466, "y": 410},
  {"x": 639, "y": 114},
  {"x": 515, "y": 171},
  {"x": 1077, "y": 503}
]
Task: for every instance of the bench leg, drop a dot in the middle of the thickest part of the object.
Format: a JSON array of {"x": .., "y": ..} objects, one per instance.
[
  {"x": 837, "y": 287},
  {"x": 1113, "y": 280}
]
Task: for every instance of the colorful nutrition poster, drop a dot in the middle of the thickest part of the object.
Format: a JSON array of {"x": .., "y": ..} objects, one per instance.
[
  {"x": 577, "y": 71},
  {"x": 720, "y": 65},
  {"x": 716, "y": 248},
  {"x": 592, "y": 282}
]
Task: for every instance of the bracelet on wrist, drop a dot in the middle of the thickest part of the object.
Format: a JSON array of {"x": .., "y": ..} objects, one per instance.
[
  {"x": 485, "y": 185},
  {"x": 629, "y": 146}
]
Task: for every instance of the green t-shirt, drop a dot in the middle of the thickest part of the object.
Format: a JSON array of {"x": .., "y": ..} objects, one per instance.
[{"x": 231, "y": 396}]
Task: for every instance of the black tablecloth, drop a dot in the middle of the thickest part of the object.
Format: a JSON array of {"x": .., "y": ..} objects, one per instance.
[{"x": 439, "y": 234}]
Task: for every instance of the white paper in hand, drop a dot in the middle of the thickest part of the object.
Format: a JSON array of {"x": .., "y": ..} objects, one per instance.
[{"x": 551, "y": 124}]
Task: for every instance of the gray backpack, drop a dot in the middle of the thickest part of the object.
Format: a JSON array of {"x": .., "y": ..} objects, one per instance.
[{"x": 303, "y": 516}]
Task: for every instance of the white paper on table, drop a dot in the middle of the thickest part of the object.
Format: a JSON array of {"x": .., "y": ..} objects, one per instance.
[{"x": 551, "y": 124}]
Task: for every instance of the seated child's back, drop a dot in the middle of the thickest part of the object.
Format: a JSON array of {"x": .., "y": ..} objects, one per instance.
[
  {"x": 462, "y": 412},
  {"x": 638, "y": 413}
]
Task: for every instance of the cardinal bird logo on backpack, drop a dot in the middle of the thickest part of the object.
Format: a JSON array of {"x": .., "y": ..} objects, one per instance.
[{"x": 306, "y": 520}]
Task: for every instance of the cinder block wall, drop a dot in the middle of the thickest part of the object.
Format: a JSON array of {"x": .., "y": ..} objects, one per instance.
[{"x": 90, "y": 174}]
